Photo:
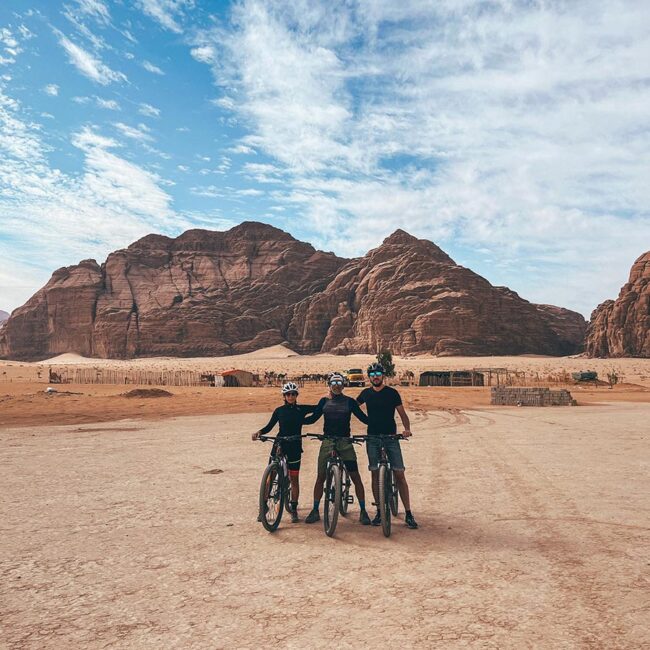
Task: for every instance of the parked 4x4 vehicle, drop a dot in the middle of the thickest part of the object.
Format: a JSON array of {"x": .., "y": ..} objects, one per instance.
[{"x": 354, "y": 377}]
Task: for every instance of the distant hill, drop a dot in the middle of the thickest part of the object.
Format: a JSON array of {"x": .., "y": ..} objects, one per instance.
[
  {"x": 208, "y": 293},
  {"x": 3, "y": 316}
]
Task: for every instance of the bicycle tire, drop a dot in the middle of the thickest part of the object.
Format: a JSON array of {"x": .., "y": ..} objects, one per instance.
[
  {"x": 345, "y": 491},
  {"x": 287, "y": 495},
  {"x": 384, "y": 499},
  {"x": 394, "y": 495},
  {"x": 272, "y": 493},
  {"x": 332, "y": 499}
]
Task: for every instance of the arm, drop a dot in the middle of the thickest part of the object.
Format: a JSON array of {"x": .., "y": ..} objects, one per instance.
[
  {"x": 317, "y": 411},
  {"x": 359, "y": 414},
  {"x": 264, "y": 430},
  {"x": 406, "y": 423}
]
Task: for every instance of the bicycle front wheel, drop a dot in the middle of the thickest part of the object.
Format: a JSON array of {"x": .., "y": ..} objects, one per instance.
[
  {"x": 345, "y": 491},
  {"x": 394, "y": 495},
  {"x": 384, "y": 499},
  {"x": 272, "y": 493},
  {"x": 332, "y": 499}
]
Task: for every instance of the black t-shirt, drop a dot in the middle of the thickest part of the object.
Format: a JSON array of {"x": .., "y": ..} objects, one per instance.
[
  {"x": 337, "y": 411},
  {"x": 381, "y": 405}
]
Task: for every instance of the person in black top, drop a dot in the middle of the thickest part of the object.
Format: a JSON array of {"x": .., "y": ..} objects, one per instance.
[
  {"x": 291, "y": 417},
  {"x": 338, "y": 409},
  {"x": 382, "y": 401}
]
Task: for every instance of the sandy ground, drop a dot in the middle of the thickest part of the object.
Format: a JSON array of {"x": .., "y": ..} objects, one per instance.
[{"x": 535, "y": 525}]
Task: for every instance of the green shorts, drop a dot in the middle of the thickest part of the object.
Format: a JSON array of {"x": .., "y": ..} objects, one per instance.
[{"x": 346, "y": 451}]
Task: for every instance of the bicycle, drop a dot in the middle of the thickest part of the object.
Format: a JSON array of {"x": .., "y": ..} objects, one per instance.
[
  {"x": 387, "y": 486},
  {"x": 336, "y": 500},
  {"x": 275, "y": 488}
]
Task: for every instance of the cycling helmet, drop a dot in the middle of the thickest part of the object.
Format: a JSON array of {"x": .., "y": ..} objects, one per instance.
[
  {"x": 289, "y": 387},
  {"x": 376, "y": 367},
  {"x": 336, "y": 377}
]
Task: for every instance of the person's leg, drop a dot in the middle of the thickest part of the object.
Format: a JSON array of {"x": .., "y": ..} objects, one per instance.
[
  {"x": 324, "y": 452},
  {"x": 358, "y": 488},
  {"x": 403, "y": 488},
  {"x": 294, "y": 477}
]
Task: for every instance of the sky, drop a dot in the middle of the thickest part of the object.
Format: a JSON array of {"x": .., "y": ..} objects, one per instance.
[{"x": 513, "y": 134}]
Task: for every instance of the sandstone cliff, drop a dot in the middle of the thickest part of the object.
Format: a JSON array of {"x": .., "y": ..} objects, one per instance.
[
  {"x": 621, "y": 327},
  {"x": 203, "y": 293},
  {"x": 409, "y": 296},
  {"x": 3, "y": 316},
  {"x": 216, "y": 293}
]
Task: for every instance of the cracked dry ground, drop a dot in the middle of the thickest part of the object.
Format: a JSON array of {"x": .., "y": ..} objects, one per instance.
[{"x": 534, "y": 532}]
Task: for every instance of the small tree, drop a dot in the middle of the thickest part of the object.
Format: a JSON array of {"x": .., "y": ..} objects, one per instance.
[{"x": 385, "y": 358}]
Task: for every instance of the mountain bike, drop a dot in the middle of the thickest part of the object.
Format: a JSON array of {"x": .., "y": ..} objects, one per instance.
[
  {"x": 346, "y": 497},
  {"x": 334, "y": 486},
  {"x": 388, "y": 493},
  {"x": 275, "y": 488}
]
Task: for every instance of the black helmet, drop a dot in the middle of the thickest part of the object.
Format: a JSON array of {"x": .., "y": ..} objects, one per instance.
[{"x": 376, "y": 367}]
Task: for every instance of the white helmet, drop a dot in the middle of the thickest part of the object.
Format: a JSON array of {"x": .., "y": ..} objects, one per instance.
[
  {"x": 336, "y": 377},
  {"x": 289, "y": 387}
]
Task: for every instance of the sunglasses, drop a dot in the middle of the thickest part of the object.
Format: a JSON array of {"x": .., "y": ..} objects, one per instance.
[
  {"x": 291, "y": 394},
  {"x": 375, "y": 374},
  {"x": 336, "y": 383}
]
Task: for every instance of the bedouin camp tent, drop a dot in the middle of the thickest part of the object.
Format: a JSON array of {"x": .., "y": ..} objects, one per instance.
[
  {"x": 237, "y": 378},
  {"x": 451, "y": 378}
]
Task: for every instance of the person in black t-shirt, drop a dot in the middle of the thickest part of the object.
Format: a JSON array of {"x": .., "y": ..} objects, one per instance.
[
  {"x": 291, "y": 417},
  {"x": 382, "y": 401}
]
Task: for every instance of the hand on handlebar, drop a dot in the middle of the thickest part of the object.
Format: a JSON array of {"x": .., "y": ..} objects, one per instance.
[
  {"x": 407, "y": 433},
  {"x": 256, "y": 435}
]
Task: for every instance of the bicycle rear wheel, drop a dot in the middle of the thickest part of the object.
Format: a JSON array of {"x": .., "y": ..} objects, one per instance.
[
  {"x": 394, "y": 495},
  {"x": 345, "y": 491},
  {"x": 272, "y": 493},
  {"x": 332, "y": 499},
  {"x": 384, "y": 499}
]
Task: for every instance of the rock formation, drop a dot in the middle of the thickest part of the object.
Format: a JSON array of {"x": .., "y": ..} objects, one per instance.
[
  {"x": 203, "y": 293},
  {"x": 621, "y": 327},
  {"x": 409, "y": 296},
  {"x": 3, "y": 316},
  {"x": 216, "y": 293}
]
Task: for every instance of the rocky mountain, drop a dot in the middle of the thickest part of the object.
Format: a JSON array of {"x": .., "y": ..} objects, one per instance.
[
  {"x": 3, "y": 316},
  {"x": 621, "y": 327},
  {"x": 216, "y": 293},
  {"x": 409, "y": 296}
]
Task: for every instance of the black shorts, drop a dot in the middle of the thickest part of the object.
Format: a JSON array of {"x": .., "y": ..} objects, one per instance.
[{"x": 293, "y": 451}]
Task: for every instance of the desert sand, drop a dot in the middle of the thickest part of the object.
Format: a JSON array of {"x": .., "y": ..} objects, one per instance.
[
  {"x": 142, "y": 534},
  {"x": 130, "y": 522}
]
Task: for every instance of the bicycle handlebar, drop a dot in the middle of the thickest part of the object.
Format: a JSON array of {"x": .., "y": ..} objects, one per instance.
[{"x": 279, "y": 438}]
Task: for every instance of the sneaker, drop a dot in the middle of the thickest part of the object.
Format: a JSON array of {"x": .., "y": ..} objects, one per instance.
[
  {"x": 262, "y": 515},
  {"x": 410, "y": 521},
  {"x": 364, "y": 520},
  {"x": 294, "y": 516},
  {"x": 312, "y": 517},
  {"x": 377, "y": 520}
]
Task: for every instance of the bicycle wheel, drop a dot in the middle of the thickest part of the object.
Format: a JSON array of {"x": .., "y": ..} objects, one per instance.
[
  {"x": 394, "y": 495},
  {"x": 287, "y": 495},
  {"x": 384, "y": 499},
  {"x": 272, "y": 496},
  {"x": 345, "y": 491},
  {"x": 332, "y": 499}
]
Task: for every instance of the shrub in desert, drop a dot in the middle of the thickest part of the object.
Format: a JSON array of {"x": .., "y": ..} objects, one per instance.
[{"x": 385, "y": 358}]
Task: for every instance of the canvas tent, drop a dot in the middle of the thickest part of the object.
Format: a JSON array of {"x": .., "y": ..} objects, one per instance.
[
  {"x": 451, "y": 378},
  {"x": 235, "y": 378}
]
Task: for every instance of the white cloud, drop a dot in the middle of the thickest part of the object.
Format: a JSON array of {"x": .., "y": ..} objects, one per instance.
[
  {"x": 183, "y": 168},
  {"x": 514, "y": 127},
  {"x": 249, "y": 192},
  {"x": 140, "y": 133},
  {"x": 242, "y": 149},
  {"x": 51, "y": 89},
  {"x": 149, "y": 110},
  {"x": 204, "y": 53},
  {"x": 150, "y": 67},
  {"x": 95, "y": 8},
  {"x": 166, "y": 12},
  {"x": 88, "y": 65},
  {"x": 109, "y": 104}
]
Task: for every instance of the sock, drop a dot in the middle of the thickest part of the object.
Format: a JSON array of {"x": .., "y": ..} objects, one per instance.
[
  {"x": 362, "y": 505},
  {"x": 409, "y": 513},
  {"x": 316, "y": 504},
  {"x": 294, "y": 506}
]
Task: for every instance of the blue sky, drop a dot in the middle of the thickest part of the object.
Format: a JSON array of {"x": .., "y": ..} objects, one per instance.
[{"x": 516, "y": 135}]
